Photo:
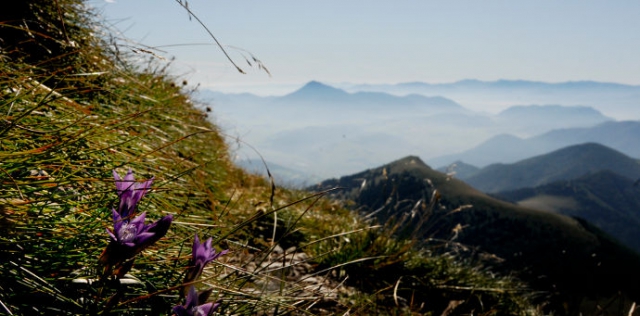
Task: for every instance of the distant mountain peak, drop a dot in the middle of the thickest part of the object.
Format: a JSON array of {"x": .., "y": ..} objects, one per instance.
[
  {"x": 318, "y": 86},
  {"x": 317, "y": 89},
  {"x": 409, "y": 160},
  {"x": 313, "y": 84}
]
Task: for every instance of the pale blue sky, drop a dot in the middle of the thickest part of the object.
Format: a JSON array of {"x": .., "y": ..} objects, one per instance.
[{"x": 390, "y": 41}]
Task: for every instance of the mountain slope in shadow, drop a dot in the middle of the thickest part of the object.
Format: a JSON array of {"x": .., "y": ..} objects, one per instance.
[
  {"x": 606, "y": 199},
  {"x": 567, "y": 257}
]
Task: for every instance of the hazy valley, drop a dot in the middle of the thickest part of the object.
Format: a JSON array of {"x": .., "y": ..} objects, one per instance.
[{"x": 319, "y": 131}]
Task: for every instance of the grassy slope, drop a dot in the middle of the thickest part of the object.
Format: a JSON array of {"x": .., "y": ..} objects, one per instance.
[{"x": 74, "y": 109}]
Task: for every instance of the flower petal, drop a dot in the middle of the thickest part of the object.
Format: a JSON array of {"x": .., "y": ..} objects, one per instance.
[
  {"x": 205, "y": 309},
  {"x": 219, "y": 254},
  {"x": 143, "y": 238},
  {"x": 196, "y": 244},
  {"x": 156, "y": 230},
  {"x": 112, "y": 235},
  {"x": 129, "y": 177},
  {"x": 120, "y": 186},
  {"x": 117, "y": 221},
  {"x": 192, "y": 297},
  {"x": 138, "y": 222},
  {"x": 130, "y": 192}
]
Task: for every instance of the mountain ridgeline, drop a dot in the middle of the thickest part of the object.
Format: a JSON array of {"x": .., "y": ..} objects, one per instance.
[
  {"x": 619, "y": 99},
  {"x": 563, "y": 164},
  {"x": 623, "y": 136},
  {"x": 562, "y": 255},
  {"x": 318, "y": 94}
]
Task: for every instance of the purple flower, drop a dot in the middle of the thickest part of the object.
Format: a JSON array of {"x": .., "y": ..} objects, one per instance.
[
  {"x": 191, "y": 307},
  {"x": 130, "y": 192},
  {"x": 202, "y": 253},
  {"x": 128, "y": 238},
  {"x": 134, "y": 233}
]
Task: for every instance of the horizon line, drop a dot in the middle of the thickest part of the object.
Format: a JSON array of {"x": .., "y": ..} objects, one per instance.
[{"x": 292, "y": 87}]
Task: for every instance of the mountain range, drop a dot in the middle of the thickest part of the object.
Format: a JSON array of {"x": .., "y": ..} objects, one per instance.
[
  {"x": 613, "y": 99},
  {"x": 325, "y": 132},
  {"x": 623, "y": 136},
  {"x": 563, "y": 164},
  {"x": 565, "y": 256},
  {"x": 589, "y": 181},
  {"x": 317, "y": 94}
]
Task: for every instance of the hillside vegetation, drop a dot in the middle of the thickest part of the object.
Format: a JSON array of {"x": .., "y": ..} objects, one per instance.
[{"x": 75, "y": 108}]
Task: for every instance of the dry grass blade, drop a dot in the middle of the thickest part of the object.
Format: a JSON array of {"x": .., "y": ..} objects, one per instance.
[{"x": 191, "y": 14}]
